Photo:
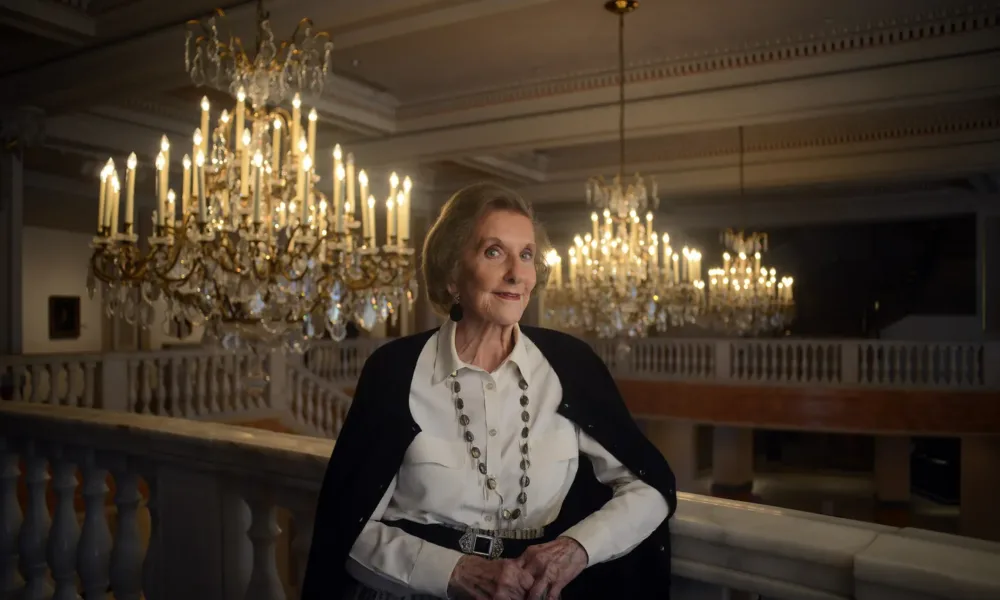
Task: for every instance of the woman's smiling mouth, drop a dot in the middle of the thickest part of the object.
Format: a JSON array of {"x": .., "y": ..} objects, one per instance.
[{"x": 508, "y": 296}]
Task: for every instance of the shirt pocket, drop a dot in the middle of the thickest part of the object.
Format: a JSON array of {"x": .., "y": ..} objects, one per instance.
[
  {"x": 433, "y": 475},
  {"x": 554, "y": 460}
]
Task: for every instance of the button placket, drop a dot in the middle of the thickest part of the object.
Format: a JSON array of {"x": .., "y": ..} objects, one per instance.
[{"x": 491, "y": 414}]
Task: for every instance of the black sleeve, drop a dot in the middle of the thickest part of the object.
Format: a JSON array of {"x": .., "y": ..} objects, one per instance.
[{"x": 351, "y": 487}]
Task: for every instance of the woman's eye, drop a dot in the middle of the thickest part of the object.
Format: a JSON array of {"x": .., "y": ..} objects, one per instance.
[
  {"x": 527, "y": 255},
  {"x": 492, "y": 252}
]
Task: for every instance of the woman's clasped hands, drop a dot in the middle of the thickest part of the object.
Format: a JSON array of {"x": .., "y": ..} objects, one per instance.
[{"x": 540, "y": 573}]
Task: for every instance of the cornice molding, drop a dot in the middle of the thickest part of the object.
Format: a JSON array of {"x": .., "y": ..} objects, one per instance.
[
  {"x": 872, "y": 35},
  {"x": 842, "y": 134}
]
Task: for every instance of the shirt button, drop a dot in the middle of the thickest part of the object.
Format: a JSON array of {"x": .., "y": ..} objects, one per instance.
[
  {"x": 489, "y": 385},
  {"x": 493, "y": 432}
]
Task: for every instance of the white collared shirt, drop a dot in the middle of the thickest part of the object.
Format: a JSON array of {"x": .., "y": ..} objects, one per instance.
[{"x": 438, "y": 481}]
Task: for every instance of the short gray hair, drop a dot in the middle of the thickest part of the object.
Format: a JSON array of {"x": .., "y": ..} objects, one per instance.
[{"x": 452, "y": 232}]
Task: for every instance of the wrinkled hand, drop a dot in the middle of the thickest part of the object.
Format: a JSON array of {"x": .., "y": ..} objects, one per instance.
[
  {"x": 553, "y": 565},
  {"x": 477, "y": 578}
]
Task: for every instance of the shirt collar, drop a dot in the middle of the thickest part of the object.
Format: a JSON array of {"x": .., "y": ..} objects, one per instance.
[{"x": 447, "y": 361}]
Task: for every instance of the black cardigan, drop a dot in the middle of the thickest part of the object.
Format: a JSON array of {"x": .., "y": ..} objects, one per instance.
[{"x": 379, "y": 429}]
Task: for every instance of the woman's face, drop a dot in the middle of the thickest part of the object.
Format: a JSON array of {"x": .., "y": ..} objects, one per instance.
[{"x": 498, "y": 270}]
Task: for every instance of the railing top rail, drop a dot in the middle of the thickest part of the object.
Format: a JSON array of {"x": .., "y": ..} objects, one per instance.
[
  {"x": 34, "y": 359},
  {"x": 294, "y": 460}
]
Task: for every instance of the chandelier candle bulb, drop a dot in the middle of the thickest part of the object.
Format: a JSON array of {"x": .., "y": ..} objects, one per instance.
[
  {"x": 258, "y": 163},
  {"x": 370, "y": 218},
  {"x": 404, "y": 215},
  {"x": 402, "y": 219},
  {"x": 390, "y": 220},
  {"x": 116, "y": 188},
  {"x": 276, "y": 145},
  {"x": 593, "y": 220},
  {"x": 204, "y": 124},
  {"x": 349, "y": 179},
  {"x": 108, "y": 195},
  {"x": 300, "y": 188},
  {"x": 185, "y": 186},
  {"x": 338, "y": 199},
  {"x": 101, "y": 199},
  {"x": 307, "y": 176},
  {"x": 296, "y": 124},
  {"x": 199, "y": 163},
  {"x": 130, "y": 189},
  {"x": 312, "y": 134},
  {"x": 245, "y": 165},
  {"x": 165, "y": 182},
  {"x": 241, "y": 98},
  {"x": 171, "y": 208}
]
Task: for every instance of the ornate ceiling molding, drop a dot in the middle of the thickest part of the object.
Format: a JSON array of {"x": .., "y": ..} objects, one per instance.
[{"x": 872, "y": 35}]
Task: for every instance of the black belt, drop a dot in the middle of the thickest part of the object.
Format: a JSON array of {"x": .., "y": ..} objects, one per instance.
[{"x": 471, "y": 541}]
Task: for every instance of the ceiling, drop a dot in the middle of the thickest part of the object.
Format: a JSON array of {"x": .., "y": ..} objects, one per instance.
[{"x": 850, "y": 95}]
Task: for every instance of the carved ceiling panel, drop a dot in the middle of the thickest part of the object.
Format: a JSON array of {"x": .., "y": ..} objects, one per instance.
[{"x": 556, "y": 39}]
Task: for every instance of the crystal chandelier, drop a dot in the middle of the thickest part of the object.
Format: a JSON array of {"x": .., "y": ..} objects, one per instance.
[
  {"x": 617, "y": 285},
  {"x": 745, "y": 297},
  {"x": 271, "y": 73},
  {"x": 255, "y": 245}
]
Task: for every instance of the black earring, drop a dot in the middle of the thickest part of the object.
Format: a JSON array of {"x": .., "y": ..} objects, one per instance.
[{"x": 455, "y": 313}]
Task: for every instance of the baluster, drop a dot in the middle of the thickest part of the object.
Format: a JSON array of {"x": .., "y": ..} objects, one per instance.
[
  {"x": 65, "y": 533},
  {"x": 126, "y": 555},
  {"x": 264, "y": 581},
  {"x": 303, "y": 520},
  {"x": 188, "y": 381},
  {"x": 163, "y": 407},
  {"x": 178, "y": 405},
  {"x": 54, "y": 369},
  {"x": 212, "y": 377},
  {"x": 203, "y": 401},
  {"x": 94, "y": 554},
  {"x": 227, "y": 373},
  {"x": 10, "y": 520},
  {"x": 238, "y": 396},
  {"x": 303, "y": 401},
  {"x": 132, "y": 376},
  {"x": 88, "y": 384},
  {"x": 151, "y": 580},
  {"x": 35, "y": 528},
  {"x": 145, "y": 391},
  {"x": 35, "y": 394}
]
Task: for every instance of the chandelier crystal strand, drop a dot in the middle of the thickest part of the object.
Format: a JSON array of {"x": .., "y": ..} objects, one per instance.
[
  {"x": 271, "y": 72},
  {"x": 617, "y": 285},
  {"x": 256, "y": 251},
  {"x": 745, "y": 297}
]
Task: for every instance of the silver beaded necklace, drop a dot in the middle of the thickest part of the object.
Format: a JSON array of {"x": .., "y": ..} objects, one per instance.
[{"x": 508, "y": 514}]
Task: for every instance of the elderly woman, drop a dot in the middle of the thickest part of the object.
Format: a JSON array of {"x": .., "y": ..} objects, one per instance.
[{"x": 487, "y": 460}]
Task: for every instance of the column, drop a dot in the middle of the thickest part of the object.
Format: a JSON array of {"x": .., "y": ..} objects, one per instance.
[
  {"x": 892, "y": 468},
  {"x": 978, "y": 516},
  {"x": 988, "y": 273},
  {"x": 678, "y": 441},
  {"x": 11, "y": 231},
  {"x": 732, "y": 462}
]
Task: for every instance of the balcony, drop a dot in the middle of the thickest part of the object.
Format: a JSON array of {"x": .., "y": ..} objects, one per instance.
[
  {"x": 101, "y": 489},
  {"x": 172, "y": 508}
]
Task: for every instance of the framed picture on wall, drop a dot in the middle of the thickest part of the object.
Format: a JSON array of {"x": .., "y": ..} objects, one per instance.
[{"x": 64, "y": 317}]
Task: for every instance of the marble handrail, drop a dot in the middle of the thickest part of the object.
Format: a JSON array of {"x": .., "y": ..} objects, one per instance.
[{"x": 218, "y": 494}]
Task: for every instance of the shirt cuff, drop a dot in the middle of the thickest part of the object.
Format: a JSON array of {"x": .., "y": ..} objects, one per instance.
[
  {"x": 433, "y": 568},
  {"x": 594, "y": 537}
]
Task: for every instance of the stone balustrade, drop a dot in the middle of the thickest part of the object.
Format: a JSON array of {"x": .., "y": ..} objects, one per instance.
[
  {"x": 210, "y": 383},
  {"x": 177, "y": 508}
]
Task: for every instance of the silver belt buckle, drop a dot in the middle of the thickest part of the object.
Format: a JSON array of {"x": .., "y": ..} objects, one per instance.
[{"x": 480, "y": 544}]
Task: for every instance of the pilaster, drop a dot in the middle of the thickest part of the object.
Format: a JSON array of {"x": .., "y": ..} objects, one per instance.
[
  {"x": 18, "y": 129},
  {"x": 988, "y": 271}
]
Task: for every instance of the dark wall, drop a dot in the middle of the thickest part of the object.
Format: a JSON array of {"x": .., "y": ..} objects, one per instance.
[{"x": 842, "y": 271}]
